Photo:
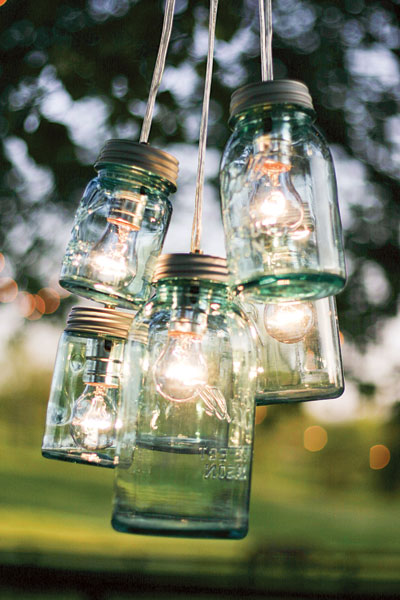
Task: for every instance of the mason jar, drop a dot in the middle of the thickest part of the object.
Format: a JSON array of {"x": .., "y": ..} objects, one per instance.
[
  {"x": 279, "y": 198},
  {"x": 298, "y": 350},
  {"x": 120, "y": 225},
  {"x": 187, "y": 416},
  {"x": 82, "y": 413}
]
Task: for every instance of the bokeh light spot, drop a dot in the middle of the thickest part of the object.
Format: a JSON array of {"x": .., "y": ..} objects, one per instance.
[
  {"x": 315, "y": 438},
  {"x": 2, "y": 2},
  {"x": 8, "y": 289},
  {"x": 379, "y": 456},
  {"x": 261, "y": 413},
  {"x": 2, "y": 262},
  {"x": 26, "y": 304},
  {"x": 51, "y": 300},
  {"x": 39, "y": 308}
]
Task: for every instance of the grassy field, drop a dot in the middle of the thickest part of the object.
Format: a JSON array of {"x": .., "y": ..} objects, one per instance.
[{"x": 315, "y": 516}]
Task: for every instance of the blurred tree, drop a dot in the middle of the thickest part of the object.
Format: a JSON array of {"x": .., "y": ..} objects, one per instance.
[{"x": 75, "y": 73}]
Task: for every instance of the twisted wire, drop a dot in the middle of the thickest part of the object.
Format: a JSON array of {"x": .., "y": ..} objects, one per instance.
[
  {"x": 158, "y": 69},
  {"x": 265, "y": 13},
  {"x": 198, "y": 210}
]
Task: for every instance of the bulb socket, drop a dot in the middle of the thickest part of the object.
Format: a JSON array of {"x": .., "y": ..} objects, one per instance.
[
  {"x": 267, "y": 93},
  {"x": 102, "y": 321},
  {"x": 140, "y": 156},
  {"x": 127, "y": 209},
  {"x": 191, "y": 266}
]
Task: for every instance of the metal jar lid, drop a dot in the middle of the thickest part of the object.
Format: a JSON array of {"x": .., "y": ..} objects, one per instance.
[
  {"x": 280, "y": 91},
  {"x": 191, "y": 266},
  {"x": 141, "y": 156},
  {"x": 106, "y": 321}
]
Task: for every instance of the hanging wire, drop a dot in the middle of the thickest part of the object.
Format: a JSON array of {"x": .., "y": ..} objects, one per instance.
[
  {"x": 265, "y": 11},
  {"x": 198, "y": 209},
  {"x": 158, "y": 69}
]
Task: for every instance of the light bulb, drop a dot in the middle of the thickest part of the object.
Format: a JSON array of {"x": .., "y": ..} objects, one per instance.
[
  {"x": 289, "y": 322},
  {"x": 181, "y": 370},
  {"x": 93, "y": 419},
  {"x": 113, "y": 258},
  {"x": 275, "y": 206}
]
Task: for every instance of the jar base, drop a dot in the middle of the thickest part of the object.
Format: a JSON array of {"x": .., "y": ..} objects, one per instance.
[
  {"x": 83, "y": 458},
  {"x": 292, "y": 286},
  {"x": 287, "y": 396},
  {"x": 176, "y": 526},
  {"x": 100, "y": 293}
]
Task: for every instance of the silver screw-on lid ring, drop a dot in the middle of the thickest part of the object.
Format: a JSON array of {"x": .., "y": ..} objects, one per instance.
[
  {"x": 105, "y": 321},
  {"x": 141, "y": 156},
  {"x": 279, "y": 91},
  {"x": 191, "y": 266}
]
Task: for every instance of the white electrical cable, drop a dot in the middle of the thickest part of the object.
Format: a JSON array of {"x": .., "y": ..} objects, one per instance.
[
  {"x": 198, "y": 210},
  {"x": 158, "y": 69},
  {"x": 265, "y": 11}
]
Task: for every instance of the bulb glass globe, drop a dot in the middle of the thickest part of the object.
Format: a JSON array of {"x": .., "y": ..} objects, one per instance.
[
  {"x": 93, "y": 419},
  {"x": 289, "y": 322},
  {"x": 275, "y": 205},
  {"x": 181, "y": 370},
  {"x": 113, "y": 258}
]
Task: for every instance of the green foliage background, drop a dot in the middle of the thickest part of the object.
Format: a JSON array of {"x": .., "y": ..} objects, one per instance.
[{"x": 103, "y": 52}]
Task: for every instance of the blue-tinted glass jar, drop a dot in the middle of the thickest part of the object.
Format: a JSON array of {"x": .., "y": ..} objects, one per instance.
[
  {"x": 120, "y": 225},
  {"x": 279, "y": 197},
  {"x": 82, "y": 414},
  {"x": 185, "y": 445},
  {"x": 298, "y": 351}
]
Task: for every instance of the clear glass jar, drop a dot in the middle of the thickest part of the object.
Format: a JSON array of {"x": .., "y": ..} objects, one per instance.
[
  {"x": 185, "y": 446},
  {"x": 279, "y": 197},
  {"x": 120, "y": 225},
  {"x": 82, "y": 414},
  {"x": 298, "y": 351}
]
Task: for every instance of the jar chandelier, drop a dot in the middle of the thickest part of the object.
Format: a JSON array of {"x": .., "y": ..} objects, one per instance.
[{"x": 165, "y": 390}]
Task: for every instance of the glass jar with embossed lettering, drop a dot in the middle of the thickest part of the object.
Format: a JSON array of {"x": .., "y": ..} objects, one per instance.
[
  {"x": 120, "y": 225},
  {"x": 187, "y": 415},
  {"x": 82, "y": 414}
]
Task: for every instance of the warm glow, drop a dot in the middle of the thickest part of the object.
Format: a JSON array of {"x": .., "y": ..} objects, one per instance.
[
  {"x": 26, "y": 304},
  {"x": 2, "y": 2},
  {"x": 180, "y": 370},
  {"x": 2, "y": 262},
  {"x": 379, "y": 457},
  {"x": 289, "y": 322},
  {"x": 111, "y": 259},
  {"x": 51, "y": 300},
  {"x": 261, "y": 413},
  {"x": 8, "y": 289},
  {"x": 272, "y": 207},
  {"x": 315, "y": 438},
  {"x": 110, "y": 267},
  {"x": 39, "y": 308},
  {"x": 269, "y": 166},
  {"x": 93, "y": 419}
]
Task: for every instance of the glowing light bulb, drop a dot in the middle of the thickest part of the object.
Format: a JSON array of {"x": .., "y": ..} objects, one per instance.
[
  {"x": 113, "y": 258},
  {"x": 275, "y": 206},
  {"x": 289, "y": 322},
  {"x": 181, "y": 370},
  {"x": 93, "y": 419}
]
